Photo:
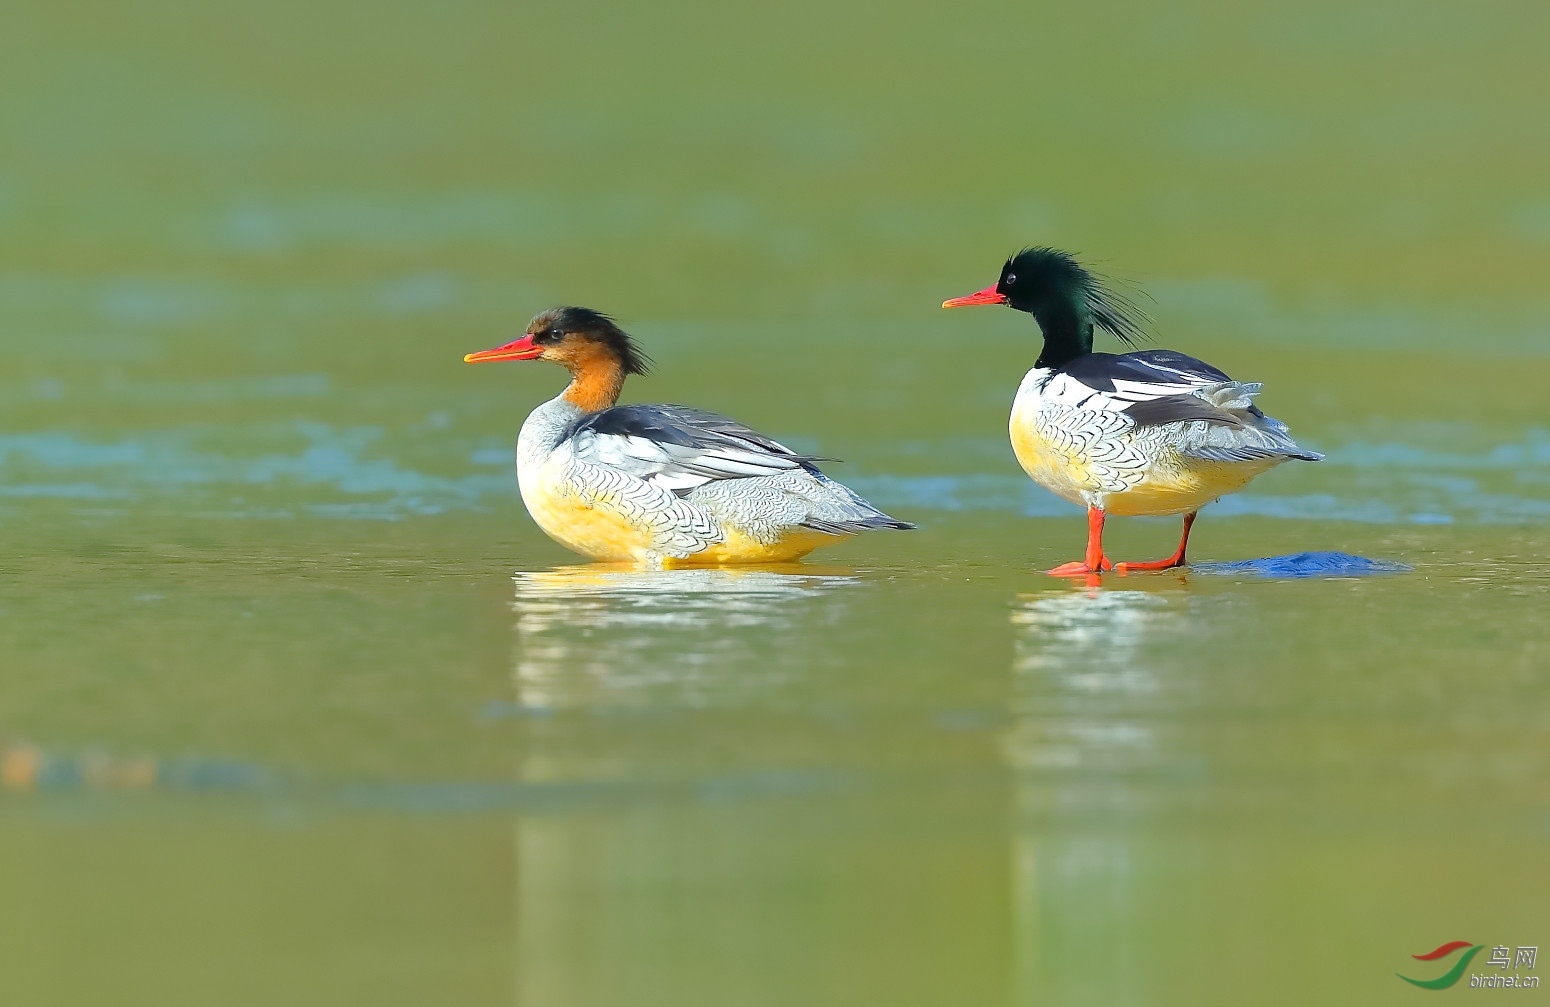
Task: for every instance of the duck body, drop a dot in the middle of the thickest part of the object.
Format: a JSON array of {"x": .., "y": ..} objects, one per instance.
[
  {"x": 1151, "y": 432},
  {"x": 1147, "y": 432},
  {"x": 664, "y": 485}
]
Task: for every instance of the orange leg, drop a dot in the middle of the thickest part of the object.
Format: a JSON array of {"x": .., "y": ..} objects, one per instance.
[
  {"x": 1096, "y": 561},
  {"x": 1177, "y": 559}
]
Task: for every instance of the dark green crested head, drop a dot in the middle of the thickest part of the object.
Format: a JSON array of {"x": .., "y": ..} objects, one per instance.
[
  {"x": 1049, "y": 283},
  {"x": 571, "y": 325},
  {"x": 1065, "y": 299}
]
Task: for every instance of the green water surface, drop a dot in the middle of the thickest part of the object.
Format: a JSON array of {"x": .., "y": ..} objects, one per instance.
[{"x": 298, "y": 706}]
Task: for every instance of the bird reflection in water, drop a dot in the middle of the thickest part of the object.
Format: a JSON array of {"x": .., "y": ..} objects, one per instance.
[
  {"x": 611, "y": 667},
  {"x": 616, "y": 634},
  {"x": 1087, "y": 684},
  {"x": 1085, "y": 652}
]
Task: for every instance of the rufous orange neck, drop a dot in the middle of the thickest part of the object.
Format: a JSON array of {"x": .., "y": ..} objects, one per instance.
[{"x": 596, "y": 379}]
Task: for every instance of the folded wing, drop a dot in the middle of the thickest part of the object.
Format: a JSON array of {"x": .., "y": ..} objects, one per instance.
[
  {"x": 715, "y": 462},
  {"x": 679, "y": 448},
  {"x": 1210, "y": 416}
]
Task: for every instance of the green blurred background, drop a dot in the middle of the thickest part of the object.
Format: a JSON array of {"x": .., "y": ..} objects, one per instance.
[{"x": 278, "y": 724}]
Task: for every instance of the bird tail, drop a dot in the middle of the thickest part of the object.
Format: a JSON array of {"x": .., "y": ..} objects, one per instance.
[
  {"x": 1260, "y": 436},
  {"x": 846, "y": 512}
]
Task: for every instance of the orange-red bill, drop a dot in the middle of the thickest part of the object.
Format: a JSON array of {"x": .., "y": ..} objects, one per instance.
[
  {"x": 987, "y": 296},
  {"x": 517, "y": 349}
]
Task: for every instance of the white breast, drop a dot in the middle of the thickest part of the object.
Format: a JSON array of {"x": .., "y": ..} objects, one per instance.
[
  {"x": 1074, "y": 440},
  {"x": 544, "y": 428}
]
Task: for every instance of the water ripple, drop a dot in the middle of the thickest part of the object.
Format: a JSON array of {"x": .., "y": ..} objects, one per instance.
[
  {"x": 350, "y": 472},
  {"x": 335, "y": 460}
]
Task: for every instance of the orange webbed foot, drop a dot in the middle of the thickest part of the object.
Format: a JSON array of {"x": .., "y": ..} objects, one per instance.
[
  {"x": 1095, "y": 562},
  {"x": 1078, "y": 568},
  {"x": 1171, "y": 563},
  {"x": 1161, "y": 564}
]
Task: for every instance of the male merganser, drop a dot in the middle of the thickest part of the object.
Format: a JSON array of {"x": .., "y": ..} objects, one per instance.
[
  {"x": 1149, "y": 432},
  {"x": 661, "y": 485}
]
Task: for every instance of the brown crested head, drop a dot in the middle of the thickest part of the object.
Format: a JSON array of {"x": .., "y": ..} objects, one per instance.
[
  {"x": 580, "y": 338},
  {"x": 598, "y": 354},
  {"x": 577, "y": 338}
]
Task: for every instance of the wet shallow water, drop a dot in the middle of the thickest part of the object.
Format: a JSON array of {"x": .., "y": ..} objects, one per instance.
[{"x": 296, "y": 704}]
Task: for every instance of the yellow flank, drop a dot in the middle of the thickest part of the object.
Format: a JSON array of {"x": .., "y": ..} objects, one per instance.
[
  {"x": 740, "y": 548},
  {"x": 1172, "y": 483},
  {"x": 1062, "y": 472},
  {"x": 1179, "y": 485},
  {"x": 601, "y": 532}
]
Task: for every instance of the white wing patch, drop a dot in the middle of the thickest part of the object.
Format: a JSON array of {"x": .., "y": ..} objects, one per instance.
[
  {"x": 677, "y": 468},
  {"x": 1065, "y": 390}
]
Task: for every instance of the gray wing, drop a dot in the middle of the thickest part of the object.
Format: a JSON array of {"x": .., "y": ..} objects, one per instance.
[
  {"x": 700, "y": 456},
  {"x": 678, "y": 448},
  {"x": 1215, "y": 415},
  {"x": 1230, "y": 432}
]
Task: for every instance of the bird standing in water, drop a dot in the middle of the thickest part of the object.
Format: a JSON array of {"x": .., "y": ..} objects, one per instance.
[
  {"x": 661, "y": 485},
  {"x": 1148, "y": 432}
]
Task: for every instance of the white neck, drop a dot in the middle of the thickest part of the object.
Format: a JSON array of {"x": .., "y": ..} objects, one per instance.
[{"x": 541, "y": 433}]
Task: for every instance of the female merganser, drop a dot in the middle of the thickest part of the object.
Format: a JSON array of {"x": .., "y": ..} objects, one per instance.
[
  {"x": 1149, "y": 432},
  {"x": 661, "y": 485}
]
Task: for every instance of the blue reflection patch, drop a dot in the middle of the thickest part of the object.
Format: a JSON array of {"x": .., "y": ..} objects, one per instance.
[{"x": 1304, "y": 564}]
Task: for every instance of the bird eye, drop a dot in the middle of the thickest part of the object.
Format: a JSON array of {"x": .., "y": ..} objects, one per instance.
[{"x": 1009, "y": 279}]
